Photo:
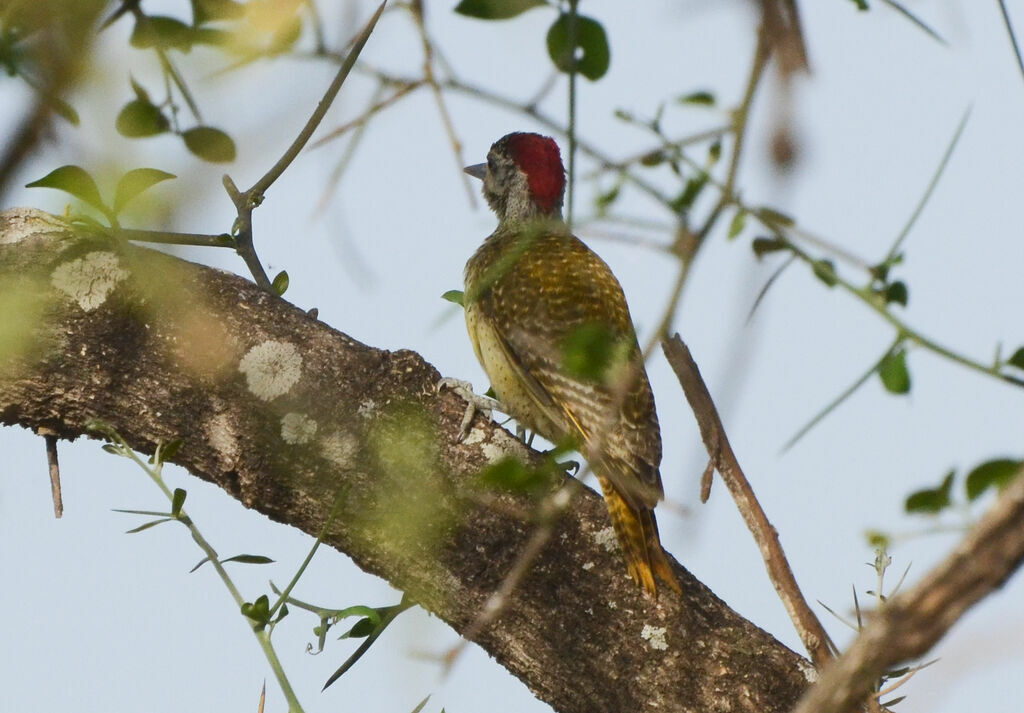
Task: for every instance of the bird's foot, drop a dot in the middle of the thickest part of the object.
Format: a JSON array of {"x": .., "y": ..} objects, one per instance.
[{"x": 474, "y": 402}]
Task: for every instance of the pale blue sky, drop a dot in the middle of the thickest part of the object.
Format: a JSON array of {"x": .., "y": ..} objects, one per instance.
[{"x": 98, "y": 620}]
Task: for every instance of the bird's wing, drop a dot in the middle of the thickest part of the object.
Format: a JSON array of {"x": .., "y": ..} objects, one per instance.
[{"x": 534, "y": 311}]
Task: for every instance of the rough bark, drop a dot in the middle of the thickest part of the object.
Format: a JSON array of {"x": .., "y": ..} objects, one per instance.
[{"x": 290, "y": 417}]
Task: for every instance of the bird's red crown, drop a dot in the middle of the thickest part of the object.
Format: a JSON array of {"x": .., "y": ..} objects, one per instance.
[{"x": 538, "y": 157}]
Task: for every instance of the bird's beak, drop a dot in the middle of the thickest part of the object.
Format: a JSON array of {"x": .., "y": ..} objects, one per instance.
[{"x": 476, "y": 170}]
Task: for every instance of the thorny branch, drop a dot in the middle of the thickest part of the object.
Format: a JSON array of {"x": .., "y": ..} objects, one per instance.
[{"x": 912, "y": 622}]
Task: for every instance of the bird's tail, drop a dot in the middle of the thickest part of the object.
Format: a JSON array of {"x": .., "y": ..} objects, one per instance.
[{"x": 637, "y": 531}]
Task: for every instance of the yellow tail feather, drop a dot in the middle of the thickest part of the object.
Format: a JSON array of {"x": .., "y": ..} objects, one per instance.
[{"x": 637, "y": 531}]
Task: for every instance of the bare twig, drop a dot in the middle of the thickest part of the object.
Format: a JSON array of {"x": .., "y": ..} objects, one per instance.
[
  {"x": 912, "y": 622},
  {"x": 724, "y": 461},
  {"x": 247, "y": 201},
  {"x": 54, "y": 467}
]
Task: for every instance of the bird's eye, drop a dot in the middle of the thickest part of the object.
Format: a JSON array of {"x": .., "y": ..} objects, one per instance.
[{"x": 492, "y": 165}]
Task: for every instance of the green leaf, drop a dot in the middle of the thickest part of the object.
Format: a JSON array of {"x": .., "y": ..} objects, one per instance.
[
  {"x": 199, "y": 564},
  {"x": 862, "y": 5},
  {"x": 996, "y": 473},
  {"x": 111, "y": 448},
  {"x": 360, "y": 630},
  {"x": 512, "y": 475},
  {"x": 177, "y": 501},
  {"x": 691, "y": 191},
  {"x": 135, "y": 182},
  {"x": 589, "y": 54},
  {"x": 763, "y": 246},
  {"x": 653, "y": 158},
  {"x": 1017, "y": 359},
  {"x": 419, "y": 706},
  {"x": 897, "y": 292},
  {"x": 739, "y": 221},
  {"x": 163, "y": 32},
  {"x": 210, "y": 144},
  {"x": 877, "y": 538},
  {"x": 140, "y": 91},
  {"x": 258, "y": 611},
  {"x": 774, "y": 218},
  {"x": 931, "y": 500},
  {"x": 280, "y": 283},
  {"x": 825, "y": 270},
  {"x": 213, "y": 10},
  {"x": 248, "y": 559},
  {"x": 496, "y": 9},
  {"x": 589, "y": 351},
  {"x": 604, "y": 200},
  {"x": 894, "y": 373},
  {"x": 64, "y": 110},
  {"x": 148, "y": 525},
  {"x": 714, "y": 153},
  {"x": 74, "y": 180},
  {"x": 138, "y": 119},
  {"x": 454, "y": 296},
  {"x": 170, "y": 449},
  {"x": 701, "y": 98}
]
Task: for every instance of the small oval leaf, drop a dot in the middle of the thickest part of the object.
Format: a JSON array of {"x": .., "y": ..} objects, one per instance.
[
  {"x": 931, "y": 500},
  {"x": 177, "y": 501},
  {"x": 739, "y": 221},
  {"x": 589, "y": 54},
  {"x": 248, "y": 559},
  {"x": 894, "y": 373},
  {"x": 495, "y": 9},
  {"x": 897, "y": 292},
  {"x": 995, "y": 473},
  {"x": 701, "y": 98},
  {"x": 136, "y": 182},
  {"x": 74, "y": 180},
  {"x": 138, "y": 119},
  {"x": 280, "y": 283},
  {"x": 454, "y": 296},
  {"x": 163, "y": 32},
  {"x": 210, "y": 144}
]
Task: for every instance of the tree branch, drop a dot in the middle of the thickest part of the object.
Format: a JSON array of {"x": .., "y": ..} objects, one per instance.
[
  {"x": 291, "y": 417},
  {"x": 723, "y": 459}
]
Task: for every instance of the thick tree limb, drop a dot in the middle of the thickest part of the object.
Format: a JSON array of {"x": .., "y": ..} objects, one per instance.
[{"x": 290, "y": 417}]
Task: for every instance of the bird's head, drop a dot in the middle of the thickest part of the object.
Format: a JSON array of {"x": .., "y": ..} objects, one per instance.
[{"x": 523, "y": 178}]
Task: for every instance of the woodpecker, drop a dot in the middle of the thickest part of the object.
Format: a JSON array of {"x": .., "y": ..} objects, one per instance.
[{"x": 533, "y": 291}]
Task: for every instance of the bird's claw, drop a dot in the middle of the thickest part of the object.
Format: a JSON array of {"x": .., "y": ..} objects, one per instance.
[{"x": 474, "y": 402}]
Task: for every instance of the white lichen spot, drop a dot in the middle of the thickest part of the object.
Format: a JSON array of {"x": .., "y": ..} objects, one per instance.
[
  {"x": 220, "y": 434},
  {"x": 17, "y": 224},
  {"x": 271, "y": 368},
  {"x": 607, "y": 539},
  {"x": 297, "y": 428},
  {"x": 809, "y": 672},
  {"x": 340, "y": 448},
  {"x": 587, "y": 566},
  {"x": 492, "y": 452},
  {"x": 613, "y": 605},
  {"x": 89, "y": 279},
  {"x": 654, "y": 636},
  {"x": 474, "y": 436},
  {"x": 366, "y": 409}
]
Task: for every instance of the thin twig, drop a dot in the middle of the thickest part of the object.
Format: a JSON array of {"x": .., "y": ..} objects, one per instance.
[
  {"x": 724, "y": 460},
  {"x": 1013, "y": 35},
  {"x": 54, "y": 467},
  {"x": 247, "y": 201}
]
